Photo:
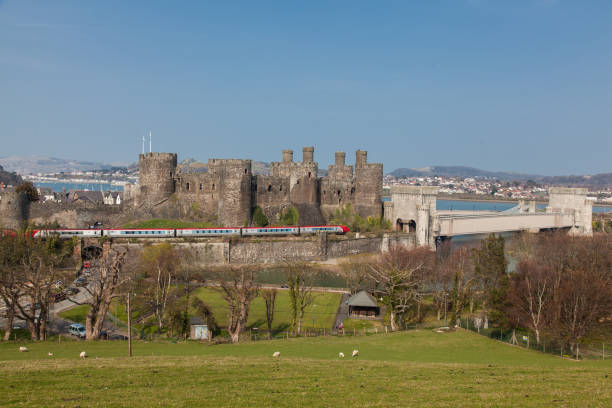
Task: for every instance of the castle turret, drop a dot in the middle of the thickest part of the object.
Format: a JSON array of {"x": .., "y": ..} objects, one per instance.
[
  {"x": 287, "y": 156},
  {"x": 156, "y": 176},
  {"x": 234, "y": 205},
  {"x": 307, "y": 154},
  {"x": 368, "y": 186},
  {"x": 14, "y": 210},
  {"x": 340, "y": 158}
]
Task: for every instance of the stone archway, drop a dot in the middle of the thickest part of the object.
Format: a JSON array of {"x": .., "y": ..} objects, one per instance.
[
  {"x": 92, "y": 252},
  {"x": 405, "y": 226}
]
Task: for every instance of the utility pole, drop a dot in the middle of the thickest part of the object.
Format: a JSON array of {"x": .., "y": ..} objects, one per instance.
[{"x": 129, "y": 313}]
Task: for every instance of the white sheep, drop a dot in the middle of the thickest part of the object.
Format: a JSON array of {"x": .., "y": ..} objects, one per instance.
[
  {"x": 83, "y": 354},
  {"x": 355, "y": 353},
  {"x": 50, "y": 354},
  {"x": 23, "y": 349},
  {"x": 341, "y": 354},
  {"x": 276, "y": 354}
]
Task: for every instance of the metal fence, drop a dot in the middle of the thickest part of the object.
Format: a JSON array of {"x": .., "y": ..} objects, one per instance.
[{"x": 591, "y": 350}]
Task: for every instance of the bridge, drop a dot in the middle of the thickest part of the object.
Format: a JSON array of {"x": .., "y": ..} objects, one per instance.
[{"x": 413, "y": 209}]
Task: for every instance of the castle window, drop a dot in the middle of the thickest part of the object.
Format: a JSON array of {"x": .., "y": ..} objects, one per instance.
[
  {"x": 170, "y": 174},
  {"x": 353, "y": 190},
  {"x": 245, "y": 171},
  {"x": 339, "y": 192},
  {"x": 270, "y": 187},
  {"x": 309, "y": 174},
  {"x": 280, "y": 188},
  {"x": 201, "y": 187},
  {"x": 187, "y": 186},
  {"x": 213, "y": 187}
]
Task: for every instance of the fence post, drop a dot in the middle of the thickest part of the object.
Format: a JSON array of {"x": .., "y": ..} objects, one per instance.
[{"x": 386, "y": 331}]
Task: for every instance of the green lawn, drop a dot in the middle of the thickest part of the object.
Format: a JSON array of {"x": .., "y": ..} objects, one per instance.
[
  {"x": 418, "y": 368},
  {"x": 322, "y": 313}
]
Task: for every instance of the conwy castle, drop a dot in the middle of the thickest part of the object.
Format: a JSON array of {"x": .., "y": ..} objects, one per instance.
[{"x": 228, "y": 192}]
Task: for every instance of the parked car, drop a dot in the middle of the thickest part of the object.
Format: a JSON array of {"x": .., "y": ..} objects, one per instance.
[
  {"x": 71, "y": 291},
  {"x": 77, "y": 329},
  {"x": 57, "y": 297},
  {"x": 80, "y": 282}
]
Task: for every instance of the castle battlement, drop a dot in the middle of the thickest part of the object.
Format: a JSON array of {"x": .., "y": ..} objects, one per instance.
[{"x": 229, "y": 192}]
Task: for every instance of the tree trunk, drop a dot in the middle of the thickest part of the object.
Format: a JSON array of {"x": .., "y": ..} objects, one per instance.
[
  {"x": 9, "y": 326},
  {"x": 392, "y": 318}
]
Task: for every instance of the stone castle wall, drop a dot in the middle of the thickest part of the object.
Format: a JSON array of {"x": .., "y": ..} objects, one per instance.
[
  {"x": 14, "y": 210},
  {"x": 228, "y": 193}
]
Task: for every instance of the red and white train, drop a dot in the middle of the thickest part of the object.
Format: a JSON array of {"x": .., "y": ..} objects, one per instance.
[{"x": 188, "y": 232}]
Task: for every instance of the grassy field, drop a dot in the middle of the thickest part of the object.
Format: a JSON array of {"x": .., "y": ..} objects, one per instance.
[
  {"x": 400, "y": 369},
  {"x": 319, "y": 315},
  {"x": 322, "y": 315}
]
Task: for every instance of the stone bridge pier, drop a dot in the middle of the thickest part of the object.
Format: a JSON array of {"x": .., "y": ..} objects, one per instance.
[{"x": 413, "y": 210}]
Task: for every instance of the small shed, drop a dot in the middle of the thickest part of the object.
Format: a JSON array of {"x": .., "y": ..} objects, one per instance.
[
  {"x": 198, "y": 329},
  {"x": 363, "y": 305}
]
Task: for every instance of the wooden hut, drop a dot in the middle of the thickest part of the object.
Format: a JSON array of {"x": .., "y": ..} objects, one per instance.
[{"x": 363, "y": 305}]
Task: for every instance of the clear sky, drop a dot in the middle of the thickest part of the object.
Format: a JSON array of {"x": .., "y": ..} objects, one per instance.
[{"x": 521, "y": 85}]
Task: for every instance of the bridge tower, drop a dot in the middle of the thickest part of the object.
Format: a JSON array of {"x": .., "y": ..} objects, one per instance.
[
  {"x": 572, "y": 201},
  {"x": 413, "y": 210}
]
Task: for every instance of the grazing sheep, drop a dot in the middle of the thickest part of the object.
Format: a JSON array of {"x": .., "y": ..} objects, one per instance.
[
  {"x": 83, "y": 354},
  {"x": 341, "y": 354},
  {"x": 355, "y": 353},
  {"x": 276, "y": 354},
  {"x": 23, "y": 349},
  {"x": 50, "y": 354}
]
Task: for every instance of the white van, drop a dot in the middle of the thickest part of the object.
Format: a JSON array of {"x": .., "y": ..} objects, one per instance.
[{"x": 77, "y": 329}]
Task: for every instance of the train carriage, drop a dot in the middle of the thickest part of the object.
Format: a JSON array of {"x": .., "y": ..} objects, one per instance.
[
  {"x": 67, "y": 233},
  {"x": 315, "y": 229},
  {"x": 140, "y": 233},
  {"x": 270, "y": 231},
  {"x": 207, "y": 232}
]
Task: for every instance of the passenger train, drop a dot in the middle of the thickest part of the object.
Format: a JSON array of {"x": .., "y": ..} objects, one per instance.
[{"x": 188, "y": 232}]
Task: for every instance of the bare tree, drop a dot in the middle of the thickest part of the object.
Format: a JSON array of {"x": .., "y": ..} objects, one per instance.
[
  {"x": 269, "y": 297},
  {"x": 399, "y": 277},
  {"x": 160, "y": 265},
  {"x": 300, "y": 293},
  {"x": 585, "y": 299},
  {"x": 531, "y": 295},
  {"x": 107, "y": 277},
  {"x": 238, "y": 289},
  {"x": 29, "y": 275}
]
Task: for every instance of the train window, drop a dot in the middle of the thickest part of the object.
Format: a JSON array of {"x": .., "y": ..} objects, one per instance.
[{"x": 187, "y": 186}]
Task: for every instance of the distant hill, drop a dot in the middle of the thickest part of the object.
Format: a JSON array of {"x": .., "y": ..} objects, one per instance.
[
  {"x": 41, "y": 164},
  {"x": 596, "y": 180},
  {"x": 461, "y": 171},
  {"x": 9, "y": 179}
]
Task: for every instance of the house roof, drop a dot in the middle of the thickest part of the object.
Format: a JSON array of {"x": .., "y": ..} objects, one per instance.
[
  {"x": 93, "y": 196},
  {"x": 362, "y": 298},
  {"x": 197, "y": 321}
]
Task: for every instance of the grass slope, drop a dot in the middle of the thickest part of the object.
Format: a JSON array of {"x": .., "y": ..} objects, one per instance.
[
  {"x": 322, "y": 312},
  {"x": 400, "y": 369}
]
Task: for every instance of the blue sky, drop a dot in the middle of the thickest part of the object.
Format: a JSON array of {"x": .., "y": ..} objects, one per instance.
[{"x": 522, "y": 85}]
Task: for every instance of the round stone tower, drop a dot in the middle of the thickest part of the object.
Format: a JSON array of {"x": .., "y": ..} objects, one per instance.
[
  {"x": 14, "y": 210},
  {"x": 368, "y": 186},
  {"x": 156, "y": 179}
]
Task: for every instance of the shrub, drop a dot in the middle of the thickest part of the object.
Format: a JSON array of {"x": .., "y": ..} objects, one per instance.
[
  {"x": 259, "y": 218},
  {"x": 289, "y": 216}
]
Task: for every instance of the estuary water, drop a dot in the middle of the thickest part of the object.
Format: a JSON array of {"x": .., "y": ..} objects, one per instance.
[{"x": 57, "y": 186}]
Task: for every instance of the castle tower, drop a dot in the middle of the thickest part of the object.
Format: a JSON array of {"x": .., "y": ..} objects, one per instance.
[
  {"x": 307, "y": 154},
  {"x": 287, "y": 156},
  {"x": 156, "y": 176},
  {"x": 14, "y": 210},
  {"x": 234, "y": 203},
  {"x": 304, "y": 181},
  {"x": 368, "y": 186}
]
